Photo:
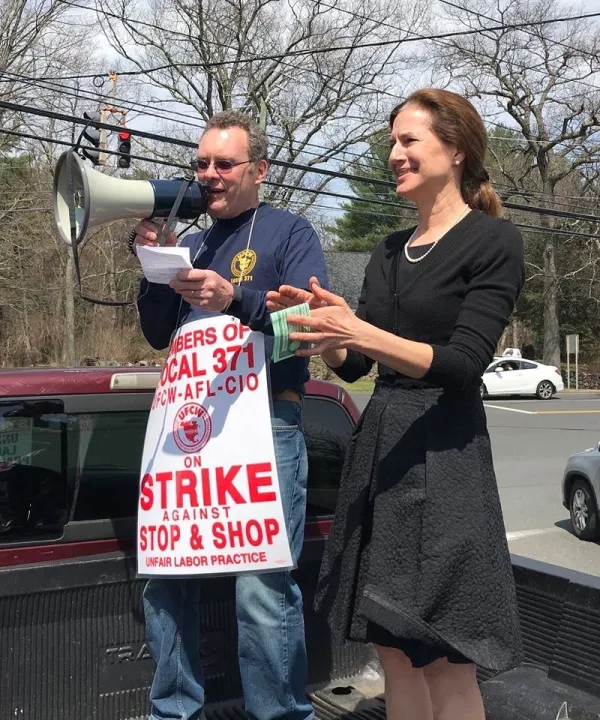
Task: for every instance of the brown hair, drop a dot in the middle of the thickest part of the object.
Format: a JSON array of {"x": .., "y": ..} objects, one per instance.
[
  {"x": 456, "y": 122},
  {"x": 257, "y": 138}
]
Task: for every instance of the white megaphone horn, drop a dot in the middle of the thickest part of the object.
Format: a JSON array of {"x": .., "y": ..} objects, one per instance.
[{"x": 84, "y": 198}]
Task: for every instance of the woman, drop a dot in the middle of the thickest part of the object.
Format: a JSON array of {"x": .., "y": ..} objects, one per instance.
[{"x": 417, "y": 561}]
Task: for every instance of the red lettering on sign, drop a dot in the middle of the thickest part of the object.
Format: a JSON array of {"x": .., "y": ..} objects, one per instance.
[
  {"x": 225, "y": 485},
  {"x": 256, "y": 481},
  {"x": 161, "y": 537},
  {"x": 230, "y": 332},
  {"x": 186, "y": 485},
  {"x": 271, "y": 529},
  {"x": 194, "y": 488},
  {"x": 146, "y": 494},
  {"x": 193, "y": 339},
  {"x": 163, "y": 478},
  {"x": 205, "y": 473},
  {"x": 234, "y": 534}
]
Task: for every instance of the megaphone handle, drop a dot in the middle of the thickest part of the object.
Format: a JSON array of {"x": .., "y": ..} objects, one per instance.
[{"x": 168, "y": 226}]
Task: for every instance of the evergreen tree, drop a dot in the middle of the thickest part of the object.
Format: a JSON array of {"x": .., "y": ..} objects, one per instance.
[{"x": 364, "y": 222}]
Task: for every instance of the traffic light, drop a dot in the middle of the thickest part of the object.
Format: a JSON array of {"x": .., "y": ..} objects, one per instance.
[
  {"x": 92, "y": 135},
  {"x": 124, "y": 149}
]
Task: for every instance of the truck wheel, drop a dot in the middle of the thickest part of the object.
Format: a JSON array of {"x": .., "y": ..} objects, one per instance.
[
  {"x": 545, "y": 390},
  {"x": 584, "y": 511}
]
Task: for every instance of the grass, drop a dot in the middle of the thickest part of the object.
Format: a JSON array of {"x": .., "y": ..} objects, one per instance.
[{"x": 364, "y": 385}]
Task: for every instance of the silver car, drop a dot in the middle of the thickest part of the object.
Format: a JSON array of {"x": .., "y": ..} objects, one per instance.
[{"x": 580, "y": 489}]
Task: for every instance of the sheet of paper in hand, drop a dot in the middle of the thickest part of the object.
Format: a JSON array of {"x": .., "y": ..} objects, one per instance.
[
  {"x": 161, "y": 264},
  {"x": 283, "y": 347},
  {"x": 210, "y": 502}
]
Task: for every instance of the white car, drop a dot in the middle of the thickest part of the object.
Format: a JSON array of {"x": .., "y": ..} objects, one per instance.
[{"x": 508, "y": 376}]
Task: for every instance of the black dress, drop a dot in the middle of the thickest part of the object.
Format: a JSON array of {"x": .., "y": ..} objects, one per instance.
[{"x": 417, "y": 558}]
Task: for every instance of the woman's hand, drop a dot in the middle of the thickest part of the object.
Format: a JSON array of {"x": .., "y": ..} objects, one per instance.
[
  {"x": 288, "y": 296},
  {"x": 332, "y": 323}
]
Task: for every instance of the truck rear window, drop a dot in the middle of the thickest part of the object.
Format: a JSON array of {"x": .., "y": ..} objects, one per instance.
[
  {"x": 57, "y": 467},
  {"x": 105, "y": 449},
  {"x": 33, "y": 487}
]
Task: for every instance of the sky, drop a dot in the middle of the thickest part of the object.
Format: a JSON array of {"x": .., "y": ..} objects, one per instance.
[{"x": 148, "y": 123}]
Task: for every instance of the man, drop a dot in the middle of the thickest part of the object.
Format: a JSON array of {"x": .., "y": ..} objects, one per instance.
[{"x": 249, "y": 249}]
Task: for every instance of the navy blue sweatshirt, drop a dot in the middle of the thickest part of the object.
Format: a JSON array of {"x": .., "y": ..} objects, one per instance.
[{"x": 284, "y": 250}]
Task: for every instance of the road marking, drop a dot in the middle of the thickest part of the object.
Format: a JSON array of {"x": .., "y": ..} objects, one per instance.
[
  {"x": 567, "y": 412},
  {"x": 542, "y": 412},
  {"x": 518, "y": 534},
  {"x": 509, "y": 409}
]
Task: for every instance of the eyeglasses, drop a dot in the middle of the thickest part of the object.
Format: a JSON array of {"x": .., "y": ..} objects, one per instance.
[{"x": 221, "y": 166}]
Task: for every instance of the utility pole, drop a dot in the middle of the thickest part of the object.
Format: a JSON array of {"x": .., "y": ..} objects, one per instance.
[{"x": 105, "y": 112}]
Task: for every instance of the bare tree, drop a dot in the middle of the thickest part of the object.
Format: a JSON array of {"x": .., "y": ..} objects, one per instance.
[
  {"x": 38, "y": 38},
  {"x": 314, "y": 105},
  {"x": 541, "y": 77}
]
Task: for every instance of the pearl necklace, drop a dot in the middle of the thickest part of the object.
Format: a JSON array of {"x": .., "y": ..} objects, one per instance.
[{"x": 435, "y": 242}]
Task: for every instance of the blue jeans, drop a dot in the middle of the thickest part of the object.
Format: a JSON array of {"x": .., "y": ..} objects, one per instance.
[{"x": 271, "y": 646}]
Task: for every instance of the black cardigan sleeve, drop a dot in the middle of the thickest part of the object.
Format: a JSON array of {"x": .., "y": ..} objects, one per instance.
[
  {"x": 496, "y": 279},
  {"x": 356, "y": 365}
]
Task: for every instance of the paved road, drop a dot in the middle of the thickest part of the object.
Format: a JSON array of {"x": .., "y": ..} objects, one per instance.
[{"x": 531, "y": 441}]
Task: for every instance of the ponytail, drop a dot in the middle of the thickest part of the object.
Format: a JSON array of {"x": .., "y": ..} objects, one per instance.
[{"x": 479, "y": 194}]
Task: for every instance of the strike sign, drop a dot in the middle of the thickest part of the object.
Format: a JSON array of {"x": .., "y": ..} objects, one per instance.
[{"x": 209, "y": 496}]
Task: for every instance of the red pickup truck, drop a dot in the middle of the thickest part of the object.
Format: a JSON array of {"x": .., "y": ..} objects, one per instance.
[
  {"x": 71, "y": 623},
  {"x": 72, "y": 641}
]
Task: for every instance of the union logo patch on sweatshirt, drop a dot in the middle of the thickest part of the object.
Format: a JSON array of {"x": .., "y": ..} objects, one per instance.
[{"x": 243, "y": 264}]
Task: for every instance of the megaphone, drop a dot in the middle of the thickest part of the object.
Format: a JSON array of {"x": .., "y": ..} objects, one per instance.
[{"x": 84, "y": 198}]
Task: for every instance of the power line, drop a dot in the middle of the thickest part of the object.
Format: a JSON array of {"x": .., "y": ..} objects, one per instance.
[
  {"x": 247, "y": 58},
  {"x": 325, "y": 76},
  {"x": 325, "y": 50},
  {"x": 543, "y": 194},
  {"x": 362, "y": 86},
  {"x": 379, "y": 164},
  {"x": 365, "y": 213},
  {"x": 578, "y": 81},
  {"x": 562, "y": 200},
  {"x": 530, "y": 228},
  {"x": 506, "y": 191},
  {"x": 176, "y": 141},
  {"x": 363, "y": 17},
  {"x": 321, "y": 171},
  {"x": 369, "y": 197},
  {"x": 65, "y": 143},
  {"x": 416, "y": 36},
  {"x": 133, "y": 104},
  {"x": 592, "y": 55},
  {"x": 95, "y": 96},
  {"x": 337, "y": 195},
  {"x": 481, "y": 30},
  {"x": 295, "y": 166},
  {"x": 487, "y": 17}
]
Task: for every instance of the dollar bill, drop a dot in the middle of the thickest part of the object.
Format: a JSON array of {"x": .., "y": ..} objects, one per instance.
[{"x": 283, "y": 347}]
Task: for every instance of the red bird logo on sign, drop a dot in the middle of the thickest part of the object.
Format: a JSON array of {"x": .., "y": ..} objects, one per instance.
[{"x": 192, "y": 428}]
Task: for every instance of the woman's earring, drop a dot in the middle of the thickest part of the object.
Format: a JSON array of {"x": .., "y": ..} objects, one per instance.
[{"x": 457, "y": 162}]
